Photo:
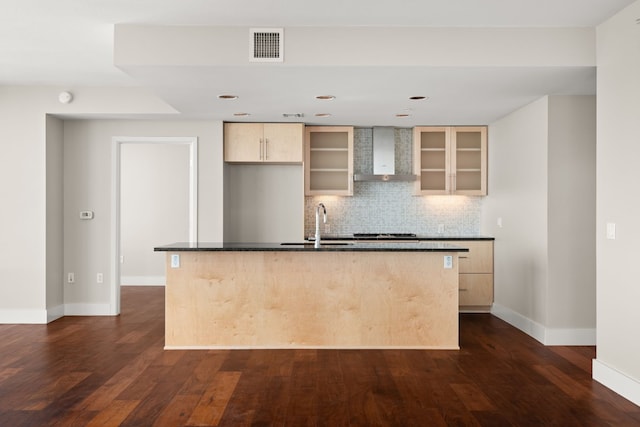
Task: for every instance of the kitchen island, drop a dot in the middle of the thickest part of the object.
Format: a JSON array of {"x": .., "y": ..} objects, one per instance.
[{"x": 293, "y": 295}]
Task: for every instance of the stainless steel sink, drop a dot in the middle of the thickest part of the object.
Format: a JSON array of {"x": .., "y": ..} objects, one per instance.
[{"x": 321, "y": 244}]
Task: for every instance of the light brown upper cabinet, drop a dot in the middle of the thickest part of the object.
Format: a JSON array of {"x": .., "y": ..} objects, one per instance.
[
  {"x": 451, "y": 160},
  {"x": 328, "y": 165},
  {"x": 263, "y": 142}
]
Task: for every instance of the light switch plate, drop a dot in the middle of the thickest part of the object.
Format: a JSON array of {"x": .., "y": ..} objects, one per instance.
[{"x": 611, "y": 230}]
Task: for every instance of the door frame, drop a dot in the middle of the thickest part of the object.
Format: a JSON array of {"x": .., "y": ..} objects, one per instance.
[{"x": 116, "y": 151}]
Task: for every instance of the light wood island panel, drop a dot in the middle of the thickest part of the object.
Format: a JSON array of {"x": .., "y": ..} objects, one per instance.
[{"x": 263, "y": 299}]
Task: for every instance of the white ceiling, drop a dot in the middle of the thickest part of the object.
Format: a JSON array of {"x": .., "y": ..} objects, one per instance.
[{"x": 70, "y": 43}]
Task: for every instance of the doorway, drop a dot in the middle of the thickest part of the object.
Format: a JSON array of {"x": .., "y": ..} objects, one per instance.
[{"x": 149, "y": 204}]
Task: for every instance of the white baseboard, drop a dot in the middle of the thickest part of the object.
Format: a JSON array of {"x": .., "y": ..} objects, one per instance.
[
  {"x": 87, "y": 310},
  {"x": 547, "y": 336},
  {"x": 55, "y": 313},
  {"x": 28, "y": 316},
  {"x": 575, "y": 336},
  {"x": 143, "y": 280},
  {"x": 620, "y": 383}
]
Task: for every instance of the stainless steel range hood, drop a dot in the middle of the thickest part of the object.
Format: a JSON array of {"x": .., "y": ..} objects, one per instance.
[{"x": 384, "y": 166}]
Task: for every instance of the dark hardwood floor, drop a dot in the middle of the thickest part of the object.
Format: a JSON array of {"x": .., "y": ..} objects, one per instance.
[{"x": 103, "y": 371}]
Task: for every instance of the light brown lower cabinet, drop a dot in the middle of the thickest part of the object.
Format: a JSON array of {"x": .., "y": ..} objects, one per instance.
[
  {"x": 476, "y": 290},
  {"x": 475, "y": 275}
]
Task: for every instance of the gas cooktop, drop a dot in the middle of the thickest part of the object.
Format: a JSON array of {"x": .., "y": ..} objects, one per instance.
[{"x": 385, "y": 236}]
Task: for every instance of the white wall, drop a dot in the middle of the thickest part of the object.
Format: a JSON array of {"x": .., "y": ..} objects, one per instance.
[
  {"x": 54, "y": 216},
  {"x": 88, "y": 187},
  {"x": 154, "y": 197},
  {"x": 618, "y": 174},
  {"x": 542, "y": 187},
  {"x": 518, "y": 162},
  {"x": 23, "y": 177},
  {"x": 264, "y": 203},
  {"x": 572, "y": 217}
]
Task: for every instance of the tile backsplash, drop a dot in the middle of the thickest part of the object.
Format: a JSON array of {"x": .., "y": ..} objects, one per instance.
[{"x": 391, "y": 207}]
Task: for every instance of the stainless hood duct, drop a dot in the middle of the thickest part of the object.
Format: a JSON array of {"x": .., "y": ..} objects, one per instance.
[{"x": 384, "y": 166}]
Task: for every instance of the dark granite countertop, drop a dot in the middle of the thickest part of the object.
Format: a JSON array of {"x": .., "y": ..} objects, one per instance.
[
  {"x": 414, "y": 246},
  {"x": 418, "y": 238}
]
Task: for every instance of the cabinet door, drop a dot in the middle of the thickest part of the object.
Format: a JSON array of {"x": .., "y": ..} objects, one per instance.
[
  {"x": 479, "y": 259},
  {"x": 432, "y": 160},
  {"x": 475, "y": 290},
  {"x": 469, "y": 160},
  {"x": 243, "y": 142},
  {"x": 283, "y": 142},
  {"x": 328, "y": 166}
]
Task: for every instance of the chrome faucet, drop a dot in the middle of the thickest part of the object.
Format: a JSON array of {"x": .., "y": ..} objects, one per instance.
[{"x": 324, "y": 213}]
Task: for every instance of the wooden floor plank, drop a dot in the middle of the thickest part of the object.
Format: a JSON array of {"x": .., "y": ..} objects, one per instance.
[
  {"x": 213, "y": 402},
  {"x": 114, "y": 371},
  {"x": 114, "y": 414}
]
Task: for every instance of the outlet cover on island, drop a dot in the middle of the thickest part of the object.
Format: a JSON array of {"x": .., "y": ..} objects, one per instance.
[
  {"x": 448, "y": 262},
  {"x": 440, "y": 228},
  {"x": 175, "y": 261}
]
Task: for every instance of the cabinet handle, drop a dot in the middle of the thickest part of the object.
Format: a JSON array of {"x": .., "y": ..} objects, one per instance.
[
  {"x": 260, "y": 148},
  {"x": 463, "y": 257},
  {"x": 463, "y": 290},
  {"x": 266, "y": 148}
]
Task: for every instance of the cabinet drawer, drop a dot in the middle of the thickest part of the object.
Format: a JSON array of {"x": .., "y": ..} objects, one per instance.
[
  {"x": 475, "y": 289},
  {"x": 479, "y": 259}
]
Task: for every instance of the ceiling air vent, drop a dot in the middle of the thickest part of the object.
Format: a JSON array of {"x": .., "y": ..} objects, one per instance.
[{"x": 266, "y": 45}]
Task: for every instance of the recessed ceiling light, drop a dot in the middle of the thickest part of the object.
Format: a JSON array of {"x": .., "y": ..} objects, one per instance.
[
  {"x": 241, "y": 114},
  {"x": 227, "y": 96},
  {"x": 326, "y": 97},
  {"x": 323, "y": 114},
  {"x": 418, "y": 98},
  {"x": 292, "y": 115}
]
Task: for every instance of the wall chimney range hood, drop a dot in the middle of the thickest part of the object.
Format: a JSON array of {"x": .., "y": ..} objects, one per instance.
[{"x": 384, "y": 167}]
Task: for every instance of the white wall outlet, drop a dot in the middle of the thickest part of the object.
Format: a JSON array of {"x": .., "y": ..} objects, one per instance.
[
  {"x": 611, "y": 230},
  {"x": 71, "y": 278},
  {"x": 440, "y": 228},
  {"x": 175, "y": 261},
  {"x": 121, "y": 259},
  {"x": 327, "y": 228},
  {"x": 448, "y": 261},
  {"x": 99, "y": 278},
  {"x": 499, "y": 222}
]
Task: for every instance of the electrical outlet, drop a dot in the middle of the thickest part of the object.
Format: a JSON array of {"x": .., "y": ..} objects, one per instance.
[
  {"x": 71, "y": 278},
  {"x": 327, "y": 228},
  {"x": 99, "y": 278},
  {"x": 448, "y": 261},
  {"x": 440, "y": 228},
  {"x": 175, "y": 261}
]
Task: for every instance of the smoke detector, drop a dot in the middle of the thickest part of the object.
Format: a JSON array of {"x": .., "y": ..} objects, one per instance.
[{"x": 266, "y": 45}]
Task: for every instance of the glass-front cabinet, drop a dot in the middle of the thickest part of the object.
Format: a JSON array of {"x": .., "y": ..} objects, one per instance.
[
  {"x": 450, "y": 160},
  {"x": 328, "y": 160}
]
